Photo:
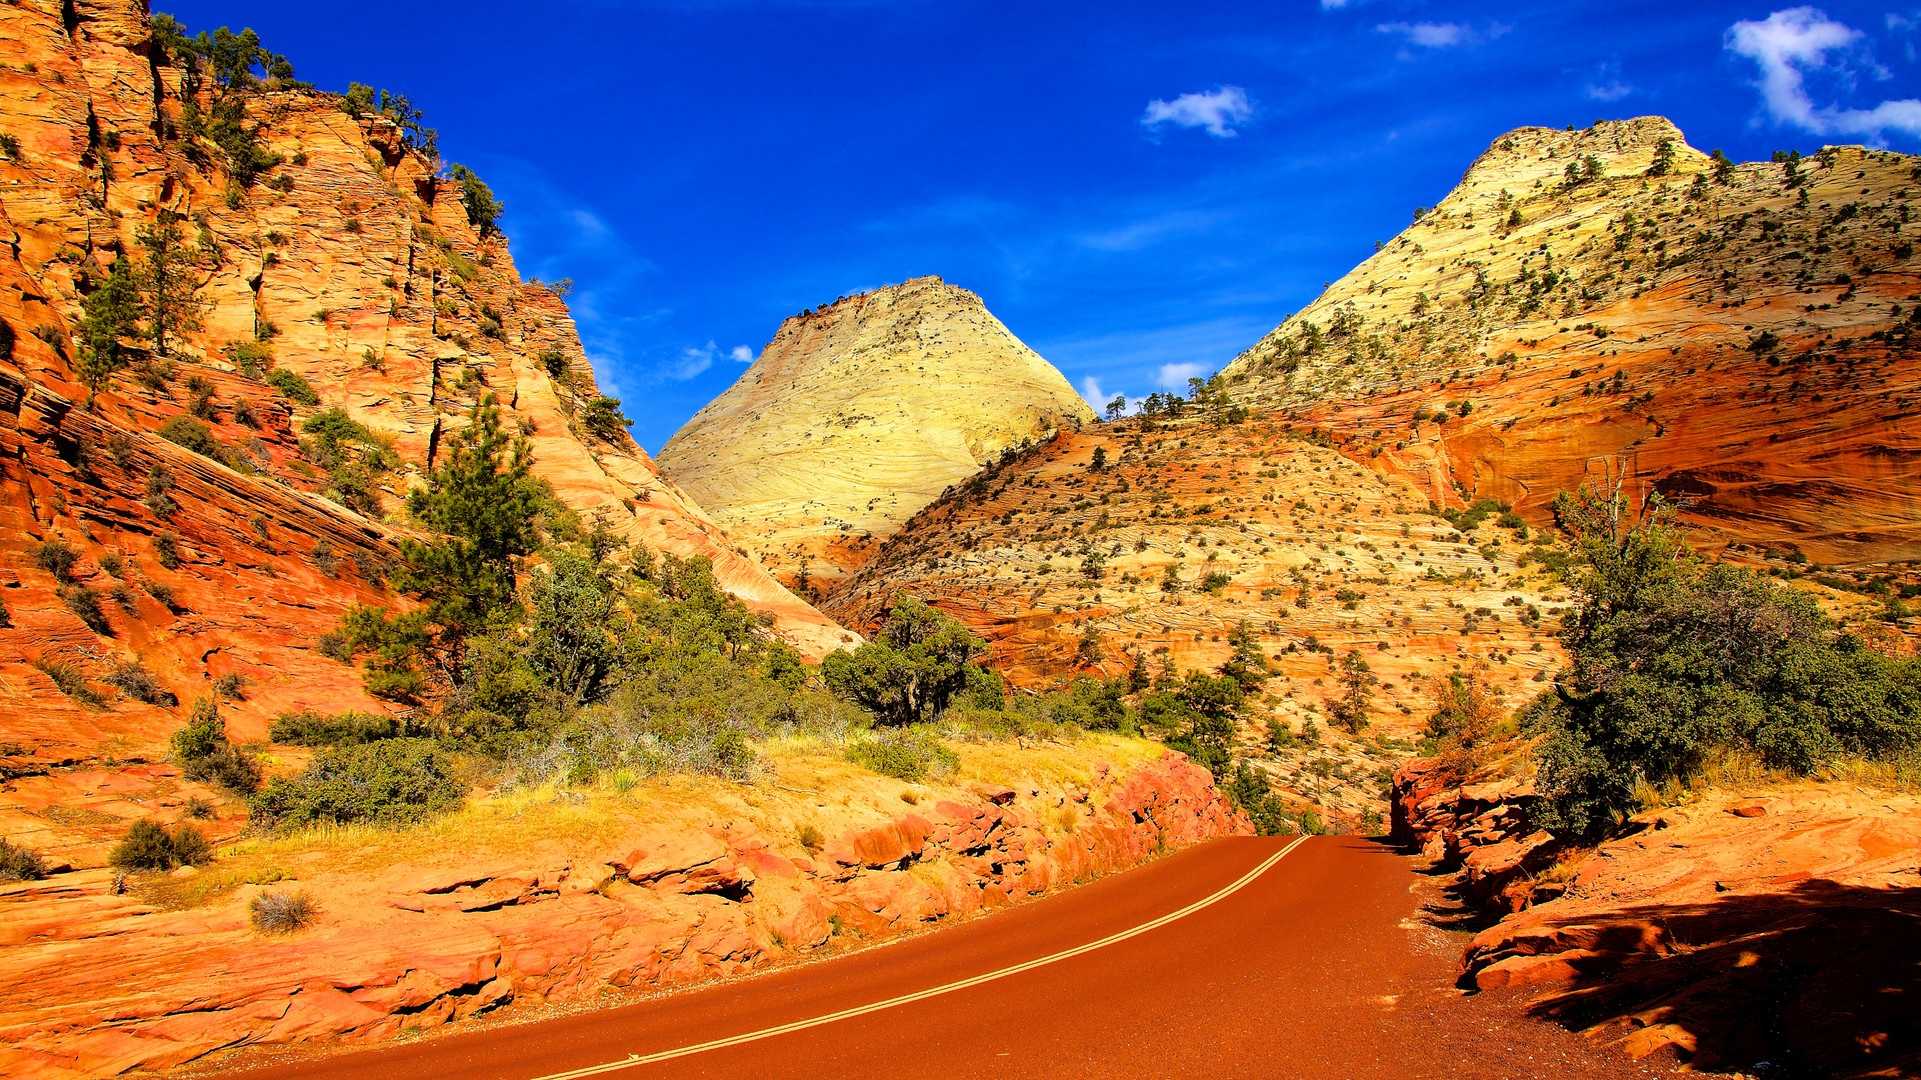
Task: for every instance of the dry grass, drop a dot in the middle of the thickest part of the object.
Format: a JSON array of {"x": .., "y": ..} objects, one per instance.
[
  {"x": 804, "y": 774},
  {"x": 1739, "y": 770}
]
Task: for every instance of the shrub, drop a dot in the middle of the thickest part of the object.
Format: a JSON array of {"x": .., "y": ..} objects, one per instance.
[
  {"x": 276, "y": 912},
  {"x": 70, "y": 681},
  {"x": 231, "y": 686},
  {"x": 199, "y": 807},
  {"x": 20, "y": 863},
  {"x": 339, "y": 729},
  {"x": 166, "y": 551},
  {"x": 85, "y": 605},
  {"x": 158, "y": 498},
  {"x": 250, "y": 357},
  {"x": 202, "y": 752},
  {"x": 908, "y": 754},
  {"x": 132, "y": 678},
  {"x": 146, "y": 846},
  {"x": 184, "y": 430},
  {"x": 190, "y": 846},
  {"x": 56, "y": 557},
  {"x": 392, "y": 781},
  {"x": 293, "y": 387},
  {"x": 553, "y": 361},
  {"x": 809, "y": 837},
  {"x": 335, "y": 646},
  {"x": 1672, "y": 663},
  {"x": 160, "y": 592}
]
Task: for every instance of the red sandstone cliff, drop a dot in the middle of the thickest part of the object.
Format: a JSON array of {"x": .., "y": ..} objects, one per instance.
[{"x": 352, "y": 265}]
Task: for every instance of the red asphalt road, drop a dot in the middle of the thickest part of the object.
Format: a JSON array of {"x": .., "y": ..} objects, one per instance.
[{"x": 1292, "y": 976}]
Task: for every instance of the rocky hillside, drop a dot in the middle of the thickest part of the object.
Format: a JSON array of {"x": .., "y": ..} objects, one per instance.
[
  {"x": 1153, "y": 541},
  {"x": 856, "y": 416},
  {"x": 1738, "y": 335},
  {"x": 1741, "y": 333},
  {"x": 230, "y": 490}
]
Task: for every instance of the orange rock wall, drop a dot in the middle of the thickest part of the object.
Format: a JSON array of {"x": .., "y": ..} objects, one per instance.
[
  {"x": 382, "y": 296},
  {"x": 419, "y": 946}
]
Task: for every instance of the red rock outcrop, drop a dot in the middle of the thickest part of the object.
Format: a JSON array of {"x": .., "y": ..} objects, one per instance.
[
  {"x": 1777, "y": 926},
  {"x": 351, "y": 265},
  {"x": 93, "y": 983}
]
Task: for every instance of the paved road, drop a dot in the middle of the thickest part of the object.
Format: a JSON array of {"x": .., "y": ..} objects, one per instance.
[{"x": 1304, "y": 971}]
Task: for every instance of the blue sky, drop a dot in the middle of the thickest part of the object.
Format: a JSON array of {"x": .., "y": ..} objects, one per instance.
[{"x": 1138, "y": 190}]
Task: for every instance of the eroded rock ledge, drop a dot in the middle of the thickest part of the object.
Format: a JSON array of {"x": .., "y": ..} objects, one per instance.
[
  {"x": 1780, "y": 925},
  {"x": 98, "y": 984}
]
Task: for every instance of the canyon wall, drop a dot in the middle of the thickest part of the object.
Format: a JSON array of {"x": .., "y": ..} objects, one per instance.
[{"x": 349, "y": 276}]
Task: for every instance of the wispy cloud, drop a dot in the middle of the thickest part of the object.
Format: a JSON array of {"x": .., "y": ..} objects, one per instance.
[
  {"x": 1213, "y": 111},
  {"x": 692, "y": 361},
  {"x": 1429, "y": 35},
  {"x": 1135, "y": 235},
  {"x": 1439, "y": 35},
  {"x": 1789, "y": 44},
  {"x": 1606, "y": 84},
  {"x": 741, "y": 354}
]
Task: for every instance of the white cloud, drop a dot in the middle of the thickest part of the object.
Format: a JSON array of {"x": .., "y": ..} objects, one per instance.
[
  {"x": 741, "y": 354},
  {"x": 1212, "y": 111},
  {"x": 1174, "y": 376},
  {"x": 692, "y": 361},
  {"x": 1786, "y": 46},
  {"x": 1430, "y": 35},
  {"x": 1092, "y": 393}
]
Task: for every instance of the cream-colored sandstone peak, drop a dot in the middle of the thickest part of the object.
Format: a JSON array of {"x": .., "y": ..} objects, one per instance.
[{"x": 858, "y": 415}]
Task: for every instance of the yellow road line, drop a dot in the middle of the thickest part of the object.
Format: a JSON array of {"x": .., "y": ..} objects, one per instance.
[{"x": 921, "y": 995}]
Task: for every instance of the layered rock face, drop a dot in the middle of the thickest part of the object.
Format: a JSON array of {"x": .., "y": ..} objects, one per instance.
[
  {"x": 1773, "y": 925},
  {"x": 1186, "y": 530},
  {"x": 856, "y": 416},
  {"x": 1740, "y": 335},
  {"x": 663, "y": 892},
  {"x": 350, "y": 266}
]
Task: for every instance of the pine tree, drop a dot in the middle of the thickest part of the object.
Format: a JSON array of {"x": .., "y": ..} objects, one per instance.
[
  {"x": 1663, "y": 158},
  {"x": 1723, "y": 168},
  {"x": 169, "y": 296},
  {"x": 109, "y": 313},
  {"x": 1357, "y": 691},
  {"x": 1248, "y": 664},
  {"x": 485, "y": 504}
]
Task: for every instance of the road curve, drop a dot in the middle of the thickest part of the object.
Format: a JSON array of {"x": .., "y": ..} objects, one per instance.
[{"x": 1299, "y": 969}]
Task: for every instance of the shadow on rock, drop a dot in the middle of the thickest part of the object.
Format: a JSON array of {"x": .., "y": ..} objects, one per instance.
[{"x": 1820, "y": 980}]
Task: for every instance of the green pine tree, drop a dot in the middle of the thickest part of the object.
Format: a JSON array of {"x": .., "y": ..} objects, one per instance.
[
  {"x": 109, "y": 313},
  {"x": 484, "y": 503},
  {"x": 170, "y": 296}
]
